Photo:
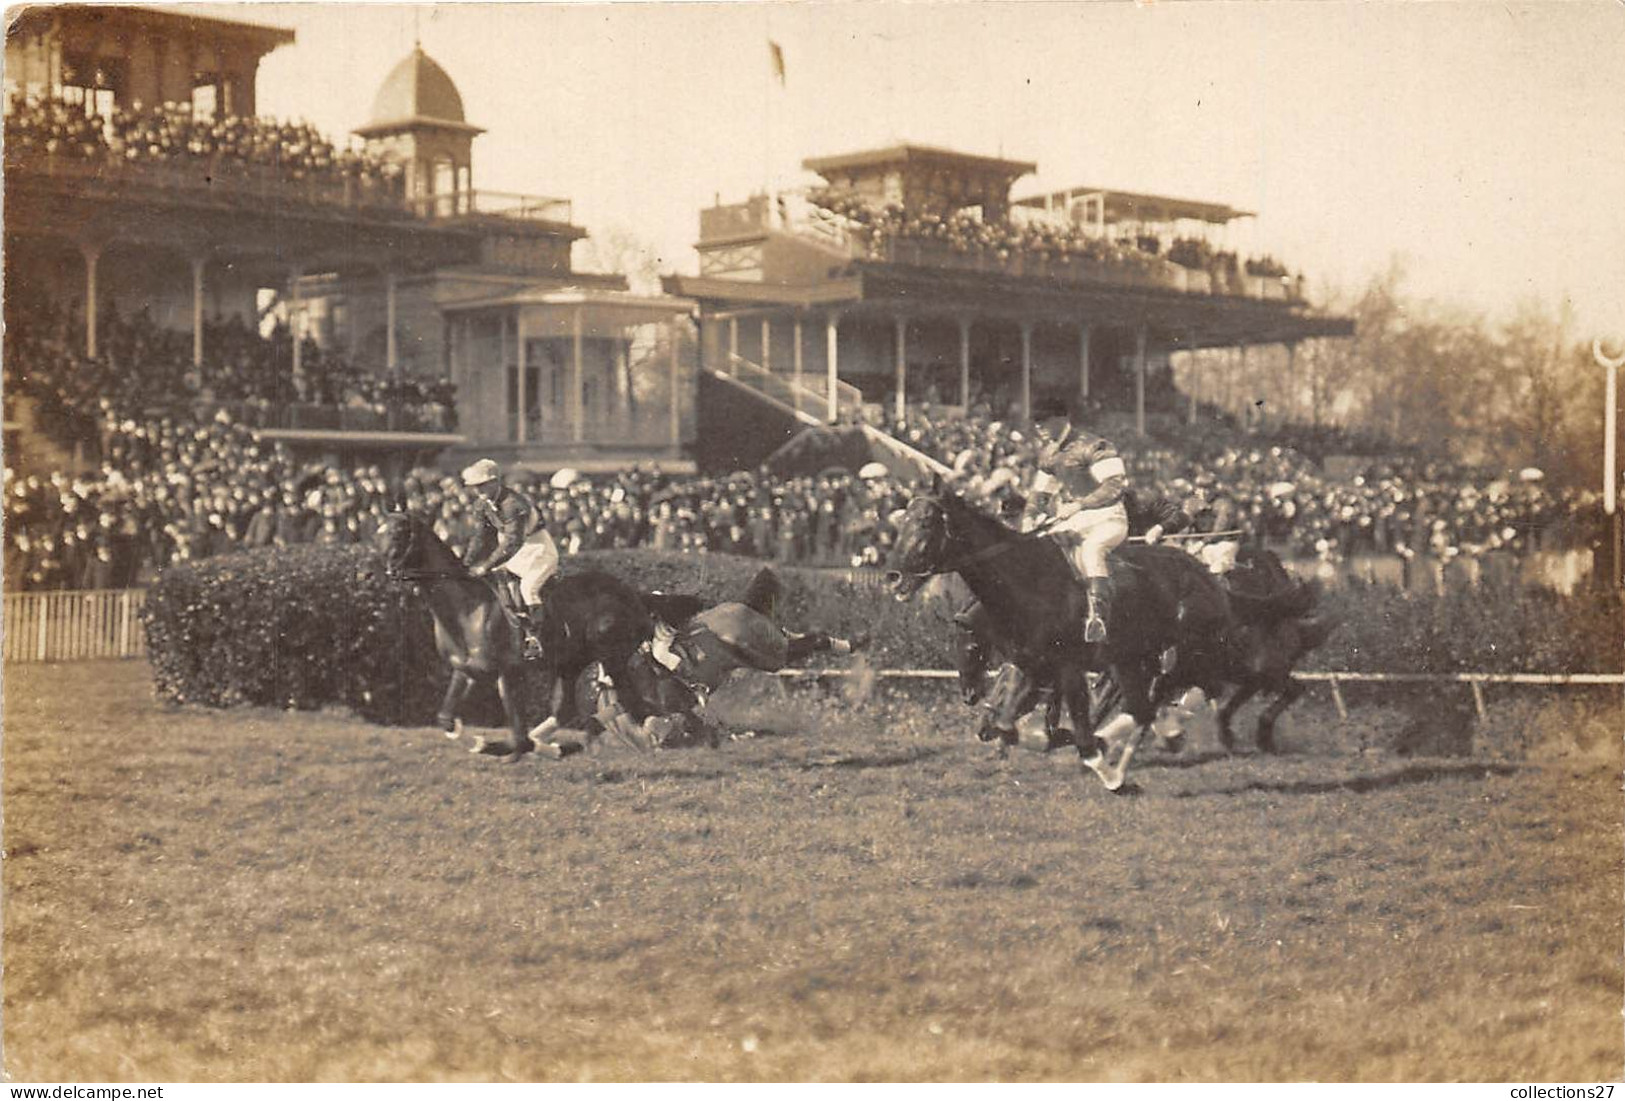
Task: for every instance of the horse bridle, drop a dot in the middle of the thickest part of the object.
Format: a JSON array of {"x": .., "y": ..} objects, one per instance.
[
  {"x": 971, "y": 559},
  {"x": 392, "y": 573}
]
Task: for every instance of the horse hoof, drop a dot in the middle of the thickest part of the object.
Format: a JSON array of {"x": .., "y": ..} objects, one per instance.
[
  {"x": 1174, "y": 743},
  {"x": 451, "y": 728},
  {"x": 517, "y": 752}
]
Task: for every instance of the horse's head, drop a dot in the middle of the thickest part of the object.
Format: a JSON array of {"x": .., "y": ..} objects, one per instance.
[
  {"x": 406, "y": 538},
  {"x": 922, "y": 547}
]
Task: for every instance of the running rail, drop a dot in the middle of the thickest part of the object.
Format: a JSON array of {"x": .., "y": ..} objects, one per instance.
[{"x": 1336, "y": 680}]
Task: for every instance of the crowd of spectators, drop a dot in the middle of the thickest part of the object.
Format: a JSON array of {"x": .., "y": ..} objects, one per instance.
[
  {"x": 173, "y": 485},
  {"x": 141, "y": 366},
  {"x": 1404, "y": 505},
  {"x": 172, "y": 491},
  {"x": 175, "y": 133}
]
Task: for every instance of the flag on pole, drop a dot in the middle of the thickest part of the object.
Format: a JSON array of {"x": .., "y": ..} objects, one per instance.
[{"x": 776, "y": 56}]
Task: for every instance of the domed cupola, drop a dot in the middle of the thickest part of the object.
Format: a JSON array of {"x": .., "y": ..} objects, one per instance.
[{"x": 417, "y": 121}]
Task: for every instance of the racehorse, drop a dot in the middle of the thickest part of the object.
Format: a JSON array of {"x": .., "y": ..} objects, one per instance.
[
  {"x": 1164, "y": 599},
  {"x": 1275, "y": 626},
  {"x": 587, "y": 617}
]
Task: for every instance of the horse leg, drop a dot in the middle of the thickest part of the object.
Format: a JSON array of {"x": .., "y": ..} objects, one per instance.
[
  {"x": 522, "y": 743},
  {"x": 1121, "y": 737},
  {"x": 1266, "y": 722},
  {"x": 1246, "y": 691},
  {"x": 456, "y": 691}
]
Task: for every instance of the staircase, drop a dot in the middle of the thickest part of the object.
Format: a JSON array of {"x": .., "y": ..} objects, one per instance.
[{"x": 807, "y": 396}]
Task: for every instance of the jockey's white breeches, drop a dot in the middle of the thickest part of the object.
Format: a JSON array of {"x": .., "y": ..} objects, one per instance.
[
  {"x": 1088, "y": 535},
  {"x": 533, "y": 564},
  {"x": 1220, "y": 558}
]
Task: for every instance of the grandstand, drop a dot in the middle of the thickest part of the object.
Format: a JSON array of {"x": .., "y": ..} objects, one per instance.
[
  {"x": 140, "y": 184},
  {"x": 912, "y": 278}
]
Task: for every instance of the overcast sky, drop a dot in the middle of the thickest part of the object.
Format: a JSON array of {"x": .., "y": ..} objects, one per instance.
[{"x": 1485, "y": 142}]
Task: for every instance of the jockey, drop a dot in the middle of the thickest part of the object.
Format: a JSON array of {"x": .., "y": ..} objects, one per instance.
[
  {"x": 511, "y": 539},
  {"x": 1151, "y": 516},
  {"x": 1080, "y": 483},
  {"x": 1218, "y": 515}
]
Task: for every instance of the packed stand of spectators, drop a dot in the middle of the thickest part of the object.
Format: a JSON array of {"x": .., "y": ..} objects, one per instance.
[
  {"x": 963, "y": 232},
  {"x": 171, "y": 491},
  {"x": 140, "y": 366},
  {"x": 1407, "y": 506},
  {"x": 172, "y": 133}
]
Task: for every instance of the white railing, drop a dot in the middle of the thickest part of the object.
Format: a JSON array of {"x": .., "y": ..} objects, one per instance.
[
  {"x": 74, "y": 626},
  {"x": 809, "y": 399}
]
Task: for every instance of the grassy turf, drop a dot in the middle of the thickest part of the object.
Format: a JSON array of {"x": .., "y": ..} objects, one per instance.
[{"x": 860, "y": 892}]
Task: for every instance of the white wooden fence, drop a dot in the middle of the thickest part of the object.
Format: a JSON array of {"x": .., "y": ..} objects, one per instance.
[{"x": 73, "y": 626}]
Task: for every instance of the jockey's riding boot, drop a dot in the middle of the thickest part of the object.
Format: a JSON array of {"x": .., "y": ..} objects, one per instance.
[
  {"x": 527, "y": 624},
  {"x": 1100, "y": 603}
]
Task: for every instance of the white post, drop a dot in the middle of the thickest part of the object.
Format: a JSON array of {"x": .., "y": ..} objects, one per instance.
[
  {"x": 524, "y": 406},
  {"x": 197, "y": 310},
  {"x": 1610, "y": 425},
  {"x": 832, "y": 332},
  {"x": 575, "y": 391},
  {"x": 1139, "y": 380},
  {"x": 964, "y": 363},
  {"x": 901, "y": 325},
  {"x": 92, "y": 254},
  {"x": 1026, "y": 370},
  {"x": 733, "y": 346},
  {"x": 767, "y": 344},
  {"x": 1083, "y": 358}
]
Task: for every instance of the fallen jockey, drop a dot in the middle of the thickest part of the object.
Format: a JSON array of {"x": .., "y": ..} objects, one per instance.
[
  {"x": 513, "y": 546},
  {"x": 677, "y": 670}
]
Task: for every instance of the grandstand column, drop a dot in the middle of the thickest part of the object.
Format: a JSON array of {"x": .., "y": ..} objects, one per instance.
[
  {"x": 198, "y": 263},
  {"x": 964, "y": 363},
  {"x": 767, "y": 343},
  {"x": 576, "y": 407},
  {"x": 1083, "y": 358},
  {"x": 1139, "y": 380},
  {"x": 519, "y": 339},
  {"x": 832, "y": 334},
  {"x": 901, "y": 324},
  {"x": 391, "y": 354},
  {"x": 91, "y": 253},
  {"x": 733, "y": 346},
  {"x": 294, "y": 276},
  {"x": 676, "y": 373},
  {"x": 1289, "y": 407},
  {"x": 1190, "y": 346},
  {"x": 1027, "y": 370},
  {"x": 796, "y": 361}
]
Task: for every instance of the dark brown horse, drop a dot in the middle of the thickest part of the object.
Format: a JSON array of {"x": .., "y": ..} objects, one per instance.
[
  {"x": 588, "y": 617},
  {"x": 1164, "y": 599}
]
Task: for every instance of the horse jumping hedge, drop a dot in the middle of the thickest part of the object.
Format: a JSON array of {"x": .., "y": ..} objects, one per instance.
[{"x": 310, "y": 627}]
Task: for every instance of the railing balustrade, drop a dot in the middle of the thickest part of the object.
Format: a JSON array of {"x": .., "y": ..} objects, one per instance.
[{"x": 74, "y": 626}]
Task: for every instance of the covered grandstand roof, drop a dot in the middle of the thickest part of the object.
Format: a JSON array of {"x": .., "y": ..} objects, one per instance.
[
  {"x": 909, "y": 153},
  {"x": 1135, "y": 206}
]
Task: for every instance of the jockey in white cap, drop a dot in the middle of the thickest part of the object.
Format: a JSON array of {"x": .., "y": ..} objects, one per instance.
[
  {"x": 1080, "y": 482},
  {"x": 510, "y": 539}
]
